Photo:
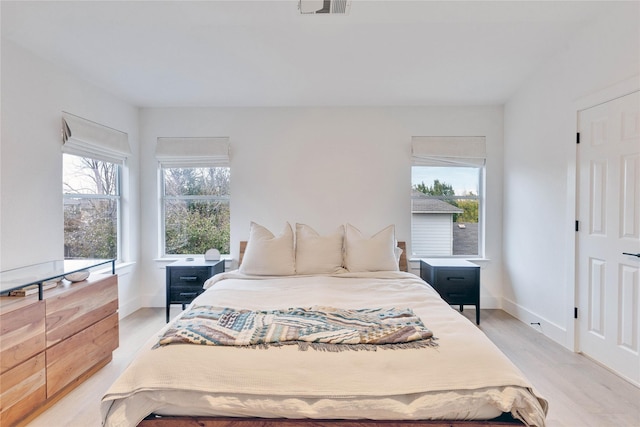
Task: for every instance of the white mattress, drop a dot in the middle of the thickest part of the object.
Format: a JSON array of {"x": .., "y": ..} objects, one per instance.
[{"x": 465, "y": 377}]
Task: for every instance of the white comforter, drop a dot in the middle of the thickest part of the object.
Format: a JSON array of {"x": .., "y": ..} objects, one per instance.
[{"x": 466, "y": 377}]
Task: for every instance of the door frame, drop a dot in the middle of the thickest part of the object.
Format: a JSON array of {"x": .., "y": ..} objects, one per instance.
[{"x": 607, "y": 94}]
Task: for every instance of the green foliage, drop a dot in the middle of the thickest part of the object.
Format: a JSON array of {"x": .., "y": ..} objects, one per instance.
[
  {"x": 90, "y": 229},
  {"x": 90, "y": 224},
  {"x": 470, "y": 213},
  {"x": 193, "y": 225},
  {"x": 437, "y": 189}
]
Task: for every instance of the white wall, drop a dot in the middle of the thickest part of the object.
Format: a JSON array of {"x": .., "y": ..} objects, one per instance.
[
  {"x": 323, "y": 167},
  {"x": 539, "y": 172},
  {"x": 34, "y": 92}
]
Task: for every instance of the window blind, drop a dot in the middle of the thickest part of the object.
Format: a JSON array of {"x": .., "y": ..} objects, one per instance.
[
  {"x": 448, "y": 150},
  {"x": 85, "y": 138},
  {"x": 193, "y": 152}
]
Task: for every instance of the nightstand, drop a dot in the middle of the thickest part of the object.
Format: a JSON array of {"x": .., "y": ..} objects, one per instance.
[
  {"x": 185, "y": 279},
  {"x": 456, "y": 280}
]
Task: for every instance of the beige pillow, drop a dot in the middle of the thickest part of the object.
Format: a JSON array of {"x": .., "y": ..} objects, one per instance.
[
  {"x": 316, "y": 254},
  {"x": 268, "y": 255},
  {"x": 376, "y": 253}
]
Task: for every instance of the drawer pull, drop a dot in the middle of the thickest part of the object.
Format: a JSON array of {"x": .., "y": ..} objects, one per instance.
[
  {"x": 455, "y": 278},
  {"x": 188, "y": 294},
  {"x": 456, "y": 295},
  {"x": 189, "y": 278}
]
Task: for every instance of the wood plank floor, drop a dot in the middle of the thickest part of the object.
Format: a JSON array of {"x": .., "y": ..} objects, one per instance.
[{"x": 580, "y": 392}]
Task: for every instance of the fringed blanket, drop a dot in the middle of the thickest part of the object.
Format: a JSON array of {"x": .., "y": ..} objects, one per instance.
[{"x": 321, "y": 328}]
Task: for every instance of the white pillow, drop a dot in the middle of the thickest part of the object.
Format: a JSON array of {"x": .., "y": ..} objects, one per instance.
[
  {"x": 267, "y": 255},
  {"x": 316, "y": 254},
  {"x": 376, "y": 253},
  {"x": 398, "y": 253}
]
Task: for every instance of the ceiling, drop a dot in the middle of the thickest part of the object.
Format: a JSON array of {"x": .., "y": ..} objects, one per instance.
[{"x": 265, "y": 53}]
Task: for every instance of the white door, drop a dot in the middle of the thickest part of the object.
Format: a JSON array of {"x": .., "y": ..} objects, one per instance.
[{"x": 609, "y": 226}]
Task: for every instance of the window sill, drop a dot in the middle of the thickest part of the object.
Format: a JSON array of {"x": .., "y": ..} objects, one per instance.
[
  {"x": 120, "y": 265},
  {"x": 167, "y": 259},
  {"x": 471, "y": 259}
]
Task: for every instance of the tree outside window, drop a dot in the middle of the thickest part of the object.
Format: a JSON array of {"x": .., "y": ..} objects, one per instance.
[
  {"x": 196, "y": 209},
  {"x": 91, "y": 194}
]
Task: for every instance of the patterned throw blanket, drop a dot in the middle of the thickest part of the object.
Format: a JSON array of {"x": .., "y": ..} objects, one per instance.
[{"x": 321, "y": 328}]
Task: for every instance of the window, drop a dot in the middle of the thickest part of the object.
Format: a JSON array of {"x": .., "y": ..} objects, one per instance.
[
  {"x": 196, "y": 209},
  {"x": 92, "y": 164},
  {"x": 91, "y": 192},
  {"x": 195, "y": 182},
  {"x": 445, "y": 210},
  {"x": 446, "y": 196}
]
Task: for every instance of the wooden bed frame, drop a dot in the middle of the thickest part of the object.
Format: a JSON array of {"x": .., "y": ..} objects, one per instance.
[
  {"x": 156, "y": 421},
  {"x": 189, "y": 421}
]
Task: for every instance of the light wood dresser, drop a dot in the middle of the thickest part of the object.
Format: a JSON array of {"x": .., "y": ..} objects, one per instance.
[{"x": 50, "y": 346}]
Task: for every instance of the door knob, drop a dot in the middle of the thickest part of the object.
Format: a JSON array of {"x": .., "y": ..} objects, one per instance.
[{"x": 627, "y": 253}]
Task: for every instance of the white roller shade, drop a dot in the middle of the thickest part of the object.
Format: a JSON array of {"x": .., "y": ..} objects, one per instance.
[
  {"x": 193, "y": 152},
  {"x": 448, "y": 150},
  {"x": 85, "y": 138}
]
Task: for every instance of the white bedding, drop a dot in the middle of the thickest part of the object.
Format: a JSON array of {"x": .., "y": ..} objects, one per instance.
[{"x": 465, "y": 377}]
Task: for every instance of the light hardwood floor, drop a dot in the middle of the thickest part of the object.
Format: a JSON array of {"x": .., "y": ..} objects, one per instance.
[{"x": 580, "y": 392}]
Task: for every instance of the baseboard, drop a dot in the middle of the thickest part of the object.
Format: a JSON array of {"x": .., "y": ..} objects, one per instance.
[{"x": 550, "y": 329}]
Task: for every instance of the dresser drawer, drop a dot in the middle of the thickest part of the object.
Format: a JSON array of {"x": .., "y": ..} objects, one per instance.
[
  {"x": 22, "y": 332},
  {"x": 23, "y": 390},
  {"x": 77, "y": 306},
  {"x": 95, "y": 343}
]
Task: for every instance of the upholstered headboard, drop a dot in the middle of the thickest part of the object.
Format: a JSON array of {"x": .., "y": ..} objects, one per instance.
[{"x": 402, "y": 264}]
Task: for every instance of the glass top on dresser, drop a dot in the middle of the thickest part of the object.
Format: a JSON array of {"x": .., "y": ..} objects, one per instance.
[{"x": 39, "y": 273}]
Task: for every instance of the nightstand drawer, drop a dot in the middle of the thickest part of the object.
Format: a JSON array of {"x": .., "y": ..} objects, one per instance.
[
  {"x": 455, "y": 277},
  {"x": 458, "y": 292},
  {"x": 189, "y": 276},
  {"x": 180, "y": 294},
  {"x": 457, "y": 285}
]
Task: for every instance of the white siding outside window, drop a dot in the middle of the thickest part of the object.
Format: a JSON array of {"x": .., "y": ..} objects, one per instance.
[{"x": 431, "y": 234}]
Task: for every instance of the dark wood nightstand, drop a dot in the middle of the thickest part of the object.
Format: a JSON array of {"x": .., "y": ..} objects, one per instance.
[
  {"x": 185, "y": 280},
  {"x": 456, "y": 280}
]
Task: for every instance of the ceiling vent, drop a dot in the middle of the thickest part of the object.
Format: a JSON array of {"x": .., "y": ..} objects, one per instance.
[{"x": 316, "y": 7}]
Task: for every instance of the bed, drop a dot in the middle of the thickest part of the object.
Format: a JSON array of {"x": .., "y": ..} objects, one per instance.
[{"x": 455, "y": 377}]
